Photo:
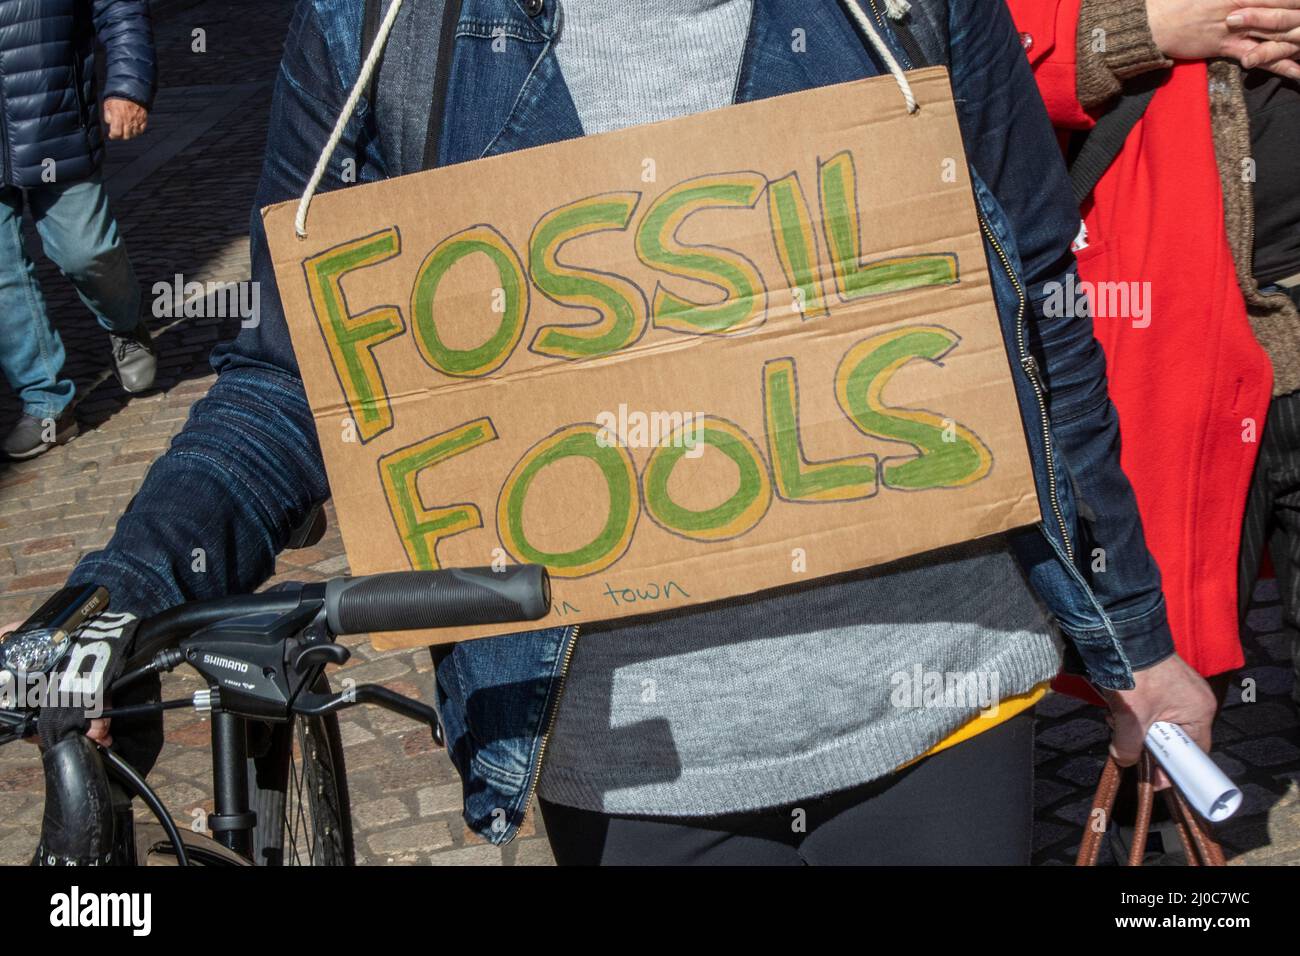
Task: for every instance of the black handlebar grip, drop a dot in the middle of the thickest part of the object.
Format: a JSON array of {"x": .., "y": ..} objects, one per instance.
[{"x": 456, "y": 597}]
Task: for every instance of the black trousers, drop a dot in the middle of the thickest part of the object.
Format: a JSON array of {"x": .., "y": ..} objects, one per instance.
[
  {"x": 1272, "y": 517},
  {"x": 970, "y": 804}
]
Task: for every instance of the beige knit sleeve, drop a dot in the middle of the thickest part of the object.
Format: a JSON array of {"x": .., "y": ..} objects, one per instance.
[{"x": 1113, "y": 43}]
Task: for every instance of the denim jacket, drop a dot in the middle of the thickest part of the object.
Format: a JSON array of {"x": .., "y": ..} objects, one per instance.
[{"x": 249, "y": 452}]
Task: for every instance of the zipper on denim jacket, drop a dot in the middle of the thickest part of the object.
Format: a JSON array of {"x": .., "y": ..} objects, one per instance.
[
  {"x": 1030, "y": 366},
  {"x": 908, "y": 42},
  {"x": 550, "y": 723}
]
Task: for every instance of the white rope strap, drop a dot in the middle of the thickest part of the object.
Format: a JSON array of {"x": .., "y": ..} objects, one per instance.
[
  {"x": 367, "y": 69},
  {"x": 895, "y": 9}
]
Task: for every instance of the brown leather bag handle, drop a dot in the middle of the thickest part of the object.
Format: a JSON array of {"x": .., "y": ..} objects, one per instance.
[{"x": 1201, "y": 847}]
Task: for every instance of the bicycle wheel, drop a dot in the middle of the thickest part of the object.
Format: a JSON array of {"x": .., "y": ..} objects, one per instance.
[{"x": 298, "y": 789}]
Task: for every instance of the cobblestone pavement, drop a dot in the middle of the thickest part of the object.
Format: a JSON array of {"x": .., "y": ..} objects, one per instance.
[{"x": 182, "y": 195}]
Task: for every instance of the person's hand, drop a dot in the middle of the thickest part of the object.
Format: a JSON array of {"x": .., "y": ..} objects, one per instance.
[
  {"x": 1256, "y": 33},
  {"x": 99, "y": 727},
  {"x": 1277, "y": 32},
  {"x": 127, "y": 120},
  {"x": 1170, "y": 691}
]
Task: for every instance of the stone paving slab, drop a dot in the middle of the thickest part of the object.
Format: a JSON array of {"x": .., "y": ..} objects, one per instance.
[{"x": 183, "y": 195}]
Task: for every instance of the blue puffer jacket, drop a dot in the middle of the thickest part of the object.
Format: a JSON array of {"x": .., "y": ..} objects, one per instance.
[{"x": 49, "y": 106}]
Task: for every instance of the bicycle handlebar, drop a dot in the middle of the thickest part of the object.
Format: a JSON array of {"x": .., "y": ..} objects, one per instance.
[
  {"x": 456, "y": 597},
  {"x": 77, "y": 786}
]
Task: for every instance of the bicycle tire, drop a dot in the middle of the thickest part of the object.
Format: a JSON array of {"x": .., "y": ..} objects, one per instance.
[{"x": 298, "y": 789}]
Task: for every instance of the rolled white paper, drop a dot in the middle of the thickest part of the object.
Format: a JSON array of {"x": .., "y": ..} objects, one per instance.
[{"x": 1207, "y": 788}]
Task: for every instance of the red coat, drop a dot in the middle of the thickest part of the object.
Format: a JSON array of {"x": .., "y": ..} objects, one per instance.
[{"x": 1193, "y": 386}]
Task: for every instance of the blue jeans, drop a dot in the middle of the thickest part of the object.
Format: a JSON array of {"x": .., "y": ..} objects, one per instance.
[{"x": 81, "y": 237}]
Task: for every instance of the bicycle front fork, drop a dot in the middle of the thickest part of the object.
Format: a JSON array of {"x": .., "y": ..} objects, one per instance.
[{"x": 233, "y": 822}]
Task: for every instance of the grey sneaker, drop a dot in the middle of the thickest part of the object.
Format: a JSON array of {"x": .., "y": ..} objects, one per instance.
[
  {"x": 34, "y": 436},
  {"x": 135, "y": 360}
]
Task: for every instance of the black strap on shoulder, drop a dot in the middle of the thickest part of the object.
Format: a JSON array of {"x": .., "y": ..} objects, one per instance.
[
  {"x": 1092, "y": 154},
  {"x": 442, "y": 71},
  {"x": 369, "y": 30},
  {"x": 447, "y": 14}
]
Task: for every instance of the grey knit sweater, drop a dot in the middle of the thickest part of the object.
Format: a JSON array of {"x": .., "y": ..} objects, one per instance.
[{"x": 771, "y": 699}]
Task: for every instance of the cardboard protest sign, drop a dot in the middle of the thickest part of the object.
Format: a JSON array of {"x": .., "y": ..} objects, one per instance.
[{"x": 673, "y": 363}]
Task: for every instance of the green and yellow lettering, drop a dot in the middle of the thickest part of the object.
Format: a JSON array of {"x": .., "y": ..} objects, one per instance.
[
  {"x": 744, "y": 302},
  {"x": 620, "y": 307},
  {"x": 489, "y": 356},
  {"x": 796, "y": 244},
  {"x": 797, "y": 479},
  {"x": 739, "y": 513},
  {"x": 619, "y": 472},
  {"x": 855, "y": 279},
  {"x": 421, "y": 527},
  {"x": 350, "y": 338},
  {"x": 949, "y": 454}
]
